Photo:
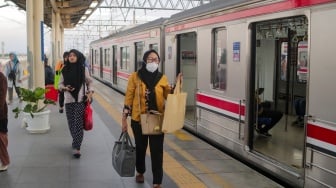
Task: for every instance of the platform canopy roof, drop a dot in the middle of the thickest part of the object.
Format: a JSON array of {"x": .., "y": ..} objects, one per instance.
[{"x": 71, "y": 11}]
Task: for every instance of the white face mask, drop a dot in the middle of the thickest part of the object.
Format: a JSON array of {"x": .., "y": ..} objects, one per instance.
[{"x": 151, "y": 67}]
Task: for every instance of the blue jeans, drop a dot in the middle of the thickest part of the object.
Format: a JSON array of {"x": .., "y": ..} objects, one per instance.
[{"x": 300, "y": 107}]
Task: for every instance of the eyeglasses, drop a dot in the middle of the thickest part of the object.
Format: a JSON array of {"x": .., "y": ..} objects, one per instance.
[{"x": 150, "y": 60}]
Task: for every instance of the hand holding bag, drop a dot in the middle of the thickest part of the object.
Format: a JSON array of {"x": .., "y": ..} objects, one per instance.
[
  {"x": 123, "y": 156},
  {"x": 151, "y": 123},
  {"x": 88, "y": 120},
  {"x": 175, "y": 108}
]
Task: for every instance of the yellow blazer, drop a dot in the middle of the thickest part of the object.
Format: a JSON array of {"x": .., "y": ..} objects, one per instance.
[{"x": 136, "y": 88}]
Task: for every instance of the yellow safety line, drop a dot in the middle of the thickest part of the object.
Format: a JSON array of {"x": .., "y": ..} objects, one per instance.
[
  {"x": 198, "y": 164},
  {"x": 180, "y": 175}
]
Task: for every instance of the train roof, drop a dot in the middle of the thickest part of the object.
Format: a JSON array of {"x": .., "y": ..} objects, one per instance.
[
  {"x": 206, "y": 8},
  {"x": 155, "y": 23}
]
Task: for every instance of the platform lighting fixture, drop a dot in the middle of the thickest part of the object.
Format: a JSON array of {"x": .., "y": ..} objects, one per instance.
[
  {"x": 88, "y": 11},
  {"x": 93, "y": 4},
  {"x": 83, "y": 17}
]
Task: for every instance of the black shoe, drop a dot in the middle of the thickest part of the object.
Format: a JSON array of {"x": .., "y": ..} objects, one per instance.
[
  {"x": 266, "y": 134},
  {"x": 61, "y": 110},
  {"x": 76, "y": 154},
  {"x": 298, "y": 121},
  {"x": 258, "y": 130}
]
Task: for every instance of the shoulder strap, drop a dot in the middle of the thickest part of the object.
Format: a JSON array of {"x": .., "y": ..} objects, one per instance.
[
  {"x": 14, "y": 68},
  {"x": 10, "y": 66}
]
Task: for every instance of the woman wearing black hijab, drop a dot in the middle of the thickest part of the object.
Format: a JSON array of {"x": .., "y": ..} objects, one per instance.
[
  {"x": 74, "y": 77},
  {"x": 148, "y": 88}
]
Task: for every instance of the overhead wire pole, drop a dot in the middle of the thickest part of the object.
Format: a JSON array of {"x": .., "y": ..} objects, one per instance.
[{"x": 120, "y": 18}]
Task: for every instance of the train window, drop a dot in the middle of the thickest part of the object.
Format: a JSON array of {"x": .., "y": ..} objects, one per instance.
[
  {"x": 96, "y": 57},
  {"x": 302, "y": 69},
  {"x": 283, "y": 63},
  {"x": 125, "y": 58},
  {"x": 107, "y": 57},
  {"x": 154, "y": 47},
  {"x": 139, "y": 50},
  {"x": 219, "y": 59}
]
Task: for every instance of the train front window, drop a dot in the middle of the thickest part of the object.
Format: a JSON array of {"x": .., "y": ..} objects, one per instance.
[{"x": 219, "y": 59}]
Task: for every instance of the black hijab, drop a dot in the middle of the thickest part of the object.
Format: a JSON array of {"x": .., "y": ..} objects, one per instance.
[
  {"x": 150, "y": 79},
  {"x": 74, "y": 73}
]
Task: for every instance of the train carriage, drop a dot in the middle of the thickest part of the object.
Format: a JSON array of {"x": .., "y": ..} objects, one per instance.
[
  {"x": 117, "y": 56},
  {"x": 233, "y": 53}
]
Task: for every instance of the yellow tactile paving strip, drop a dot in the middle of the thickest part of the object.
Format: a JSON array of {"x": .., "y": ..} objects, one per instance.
[{"x": 180, "y": 175}]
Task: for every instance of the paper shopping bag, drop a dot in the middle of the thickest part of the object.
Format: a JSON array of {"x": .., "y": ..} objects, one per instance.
[
  {"x": 175, "y": 108},
  {"x": 151, "y": 124}
]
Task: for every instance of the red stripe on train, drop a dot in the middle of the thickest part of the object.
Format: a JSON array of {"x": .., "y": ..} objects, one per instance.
[
  {"x": 275, "y": 7},
  {"x": 221, "y": 104},
  {"x": 321, "y": 133},
  {"x": 123, "y": 75}
]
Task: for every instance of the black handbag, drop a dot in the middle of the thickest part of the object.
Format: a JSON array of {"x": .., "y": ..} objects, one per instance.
[{"x": 123, "y": 156}]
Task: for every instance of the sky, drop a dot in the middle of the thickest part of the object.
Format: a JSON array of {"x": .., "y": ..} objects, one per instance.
[
  {"x": 13, "y": 30},
  {"x": 13, "y": 35}
]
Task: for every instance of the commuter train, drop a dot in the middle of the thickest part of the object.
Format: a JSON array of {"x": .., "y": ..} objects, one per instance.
[{"x": 226, "y": 50}]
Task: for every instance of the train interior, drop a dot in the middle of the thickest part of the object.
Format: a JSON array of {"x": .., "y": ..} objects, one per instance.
[
  {"x": 281, "y": 72},
  {"x": 187, "y": 64}
]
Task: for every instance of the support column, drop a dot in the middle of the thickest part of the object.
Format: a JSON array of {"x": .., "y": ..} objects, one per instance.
[
  {"x": 58, "y": 33},
  {"x": 30, "y": 42},
  {"x": 38, "y": 43}
]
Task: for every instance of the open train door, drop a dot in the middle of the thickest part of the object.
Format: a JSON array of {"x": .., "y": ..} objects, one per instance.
[
  {"x": 278, "y": 79},
  {"x": 187, "y": 64}
]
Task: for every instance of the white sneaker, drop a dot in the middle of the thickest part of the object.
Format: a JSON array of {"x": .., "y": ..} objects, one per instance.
[{"x": 3, "y": 168}]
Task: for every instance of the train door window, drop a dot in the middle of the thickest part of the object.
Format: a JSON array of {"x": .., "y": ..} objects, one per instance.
[
  {"x": 95, "y": 61},
  {"x": 139, "y": 50},
  {"x": 115, "y": 63},
  {"x": 96, "y": 57},
  {"x": 218, "y": 64},
  {"x": 125, "y": 58},
  {"x": 108, "y": 61},
  {"x": 154, "y": 47},
  {"x": 106, "y": 57},
  {"x": 101, "y": 61},
  {"x": 279, "y": 82},
  {"x": 91, "y": 59}
]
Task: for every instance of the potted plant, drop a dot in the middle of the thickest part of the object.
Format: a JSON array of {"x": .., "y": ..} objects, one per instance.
[{"x": 36, "y": 117}]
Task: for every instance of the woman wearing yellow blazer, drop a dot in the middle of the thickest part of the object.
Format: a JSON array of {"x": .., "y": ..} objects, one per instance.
[{"x": 148, "y": 88}]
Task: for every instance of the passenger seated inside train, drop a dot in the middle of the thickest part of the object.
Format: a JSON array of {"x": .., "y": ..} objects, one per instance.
[
  {"x": 300, "y": 109},
  {"x": 267, "y": 117}
]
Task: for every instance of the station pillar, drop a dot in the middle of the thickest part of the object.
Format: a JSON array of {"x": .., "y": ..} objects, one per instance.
[{"x": 35, "y": 51}]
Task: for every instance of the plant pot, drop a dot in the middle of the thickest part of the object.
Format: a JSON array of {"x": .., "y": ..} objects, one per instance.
[{"x": 38, "y": 124}]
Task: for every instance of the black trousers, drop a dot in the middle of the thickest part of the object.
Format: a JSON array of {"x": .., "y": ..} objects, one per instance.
[
  {"x": 156, "y": 152},
  {"x": 61, "y": 98},
  {"x": 275, "y": 116}
]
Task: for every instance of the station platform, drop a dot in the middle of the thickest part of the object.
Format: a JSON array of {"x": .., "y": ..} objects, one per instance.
[{"x": 45, "y": 160}]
